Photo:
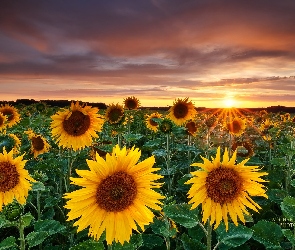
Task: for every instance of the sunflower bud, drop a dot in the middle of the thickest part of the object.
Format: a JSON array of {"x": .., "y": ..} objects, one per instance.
[{"x": 13, "y": 211}]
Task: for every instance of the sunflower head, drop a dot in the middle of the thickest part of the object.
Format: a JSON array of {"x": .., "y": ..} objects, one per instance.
[
  {"x": 236, "y": 126},
  {"x": 224, "y": 188},
  {"x": 131, "y": 103},
  {"x": 211, "y": 121},
  {"x": 114, "y": 114},
  {"x": 117, "y": 195},
  {"x": 191, "y": 128},
  {"x": 10, "y": 142},
  {"x": 181, "y": 111},
  {"x": 3, "y": 120},
  {"x": 15, "y": 181},
  {"x": 16, "y": 143},
  {"x": 151, "y": 123},
  {"x": 39, "y": 144},
  {"x": 13, "y": 117},
  {"x": 166, "y": 126},
  {"x": 13, "y": 211},
  {"x": 76, "y": 127},
  {"x": 41, "y": 106}
]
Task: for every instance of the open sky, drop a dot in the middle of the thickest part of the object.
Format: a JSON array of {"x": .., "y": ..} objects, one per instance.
[{"x": 155, "y": 50}]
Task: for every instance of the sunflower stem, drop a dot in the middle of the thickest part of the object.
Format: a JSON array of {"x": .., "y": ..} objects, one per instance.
[
  {"x": 21, "y": 228},
  {"x": 38, "y": 206},
  {"x": 230, "y": 144},
  {"x": 70, "y": 164},
  {"x": 119, "y": 140},
  {"x": 189, "y": 153},
  {"x": 269, "y": 154},
  {"x": 209, "y": 236},
  {"x": 168, "y": 164},
  {"x": 288, "y": 173},
  {"x": 203, "y": 228}
]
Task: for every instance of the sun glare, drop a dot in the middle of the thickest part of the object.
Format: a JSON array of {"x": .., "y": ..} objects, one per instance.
[{"x": 229, "y": 103}]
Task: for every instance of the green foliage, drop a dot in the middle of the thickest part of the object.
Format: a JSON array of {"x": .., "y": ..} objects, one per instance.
[
  {"x": 181, "y": 214},
  {"x": 268, "y": 233},
  {"x": 45, "y": 218},
  {"x": 8, "y": 243},
  {"x": 234, "y": 237}
]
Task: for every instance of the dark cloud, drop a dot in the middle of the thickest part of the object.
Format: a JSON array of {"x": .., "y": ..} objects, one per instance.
[{"x": 186, "y": 46}]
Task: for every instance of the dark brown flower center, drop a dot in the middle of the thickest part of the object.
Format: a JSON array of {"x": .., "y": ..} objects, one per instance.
[
  {"x": 115, "y": 115},
  {"x": 9, "y": 177},
  {"x": 77, "y": 124},
  {"x": 223, "y": 185},
  {"x": 210, "y": 122},
  {"x": 38, "y": 143},
  {"x": 235, "y": 126},
  {"x": 153, "y": 122},
  {"x": 8, "y": 113},
  {"x": 131, "y": 104},
  {"x": 180, "y": 110},
  {"x": 191, "y": 127},
  {"x": 116, "y": 192},
  {"x": 1, "y": 121}
]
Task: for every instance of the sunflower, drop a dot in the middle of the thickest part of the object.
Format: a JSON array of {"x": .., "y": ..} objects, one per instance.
[
  {"x": 181, "y": 111},
  {"x": 151, "y": 123},
  {"x": 116, "y": 195},
  {"x": 114, "y": 113},
  {"x": 236, "y": 126},
  {"x": 224, "y": 188},
  {"x": 76, "y": 127},
  {"x": 166, "y": 126},
  {"x": 3, "y": 120},
  {"x": 13, "y": 117},
  {"x": 14, "y": 179},
  {"x": 131, "y": 103},
  {"x": 211, "y": 122},
  {"x": 191, "y": 128},
  {"x": 16, "y": 144},
  {"x": 39, "y": 145}
]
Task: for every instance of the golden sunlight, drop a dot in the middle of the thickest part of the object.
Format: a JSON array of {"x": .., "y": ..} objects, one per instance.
[{"x": 229, "y": 102}]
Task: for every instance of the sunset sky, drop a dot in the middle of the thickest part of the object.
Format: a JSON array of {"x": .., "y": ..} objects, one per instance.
[{"x": 156, "y": 50}]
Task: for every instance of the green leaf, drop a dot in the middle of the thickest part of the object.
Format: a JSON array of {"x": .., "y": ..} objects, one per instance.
[
  {"x": 134, "y": 243},
  {"x": 132, "y": 137},
  {"x": 278, "y": 162},
  {"x": 27, "y": 218},
  {"x": 151, "y": 240},
  {"x": 235, "y": 236},
  {"x": 38, "y": 186},
  {"x": 49, "y": 226},
  {"x": 267, "y": 233},
  {"x": 51, "y": 201},
  {"x": 289, "y": 235},
  {"x": 160, "y": 227},
  {"x": 191, "y": 244},
  {"x": 5, "y": 223},
  {"x": 7, "y": 243},
  {"x": 288, "y": 208},
  {"x": 276, "y": 195},
  {"x": 88, "y": 245},
  {"x": 182, "y": 214},
  {"x": 160, "y": 152},
  {"x": 36, "y": 238},
  {"x": 292, "y": 182}
]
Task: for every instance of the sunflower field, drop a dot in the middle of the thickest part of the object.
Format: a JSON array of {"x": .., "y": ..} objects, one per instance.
[{"x": 132, "y": 178}]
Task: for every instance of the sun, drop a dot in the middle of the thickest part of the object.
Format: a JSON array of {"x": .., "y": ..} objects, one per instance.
[{"x": 229, "y": 102}]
